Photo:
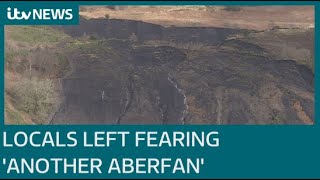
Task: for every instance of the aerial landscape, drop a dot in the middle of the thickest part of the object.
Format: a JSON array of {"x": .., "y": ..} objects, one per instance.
[{"x": 164, "y": 65}]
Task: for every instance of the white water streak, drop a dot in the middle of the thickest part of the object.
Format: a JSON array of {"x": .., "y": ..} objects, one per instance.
[{"x": 185, "y": 101}]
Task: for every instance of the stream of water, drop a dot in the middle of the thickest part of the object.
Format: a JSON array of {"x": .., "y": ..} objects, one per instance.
[{"x": 185, "y": 101}]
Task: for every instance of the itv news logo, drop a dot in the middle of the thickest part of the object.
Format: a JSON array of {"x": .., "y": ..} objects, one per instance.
[{"x": 38, "y": 14}]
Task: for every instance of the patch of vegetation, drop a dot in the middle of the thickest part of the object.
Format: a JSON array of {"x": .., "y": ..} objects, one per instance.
[
  {"x": 93, "y": 37},
  {"x": 35, "y": 97},
  {"x": 11, "y": 56},
  {"x": 90, "y": 45},
  {"x": 35, "y": 60},
  {"x": 36, "y": 34},
  {"x": 243, "y": 47},
  {"x": 276, "y": 118},
  {"x": 192, "y": 46},
  {"x": 85, "y": 42},
  {"x": 62, "y": 64},
  {"x": 99, "y": 49}
]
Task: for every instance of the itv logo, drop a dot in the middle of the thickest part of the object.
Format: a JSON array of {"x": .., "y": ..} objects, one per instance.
[{"x": 39, "y": 14}]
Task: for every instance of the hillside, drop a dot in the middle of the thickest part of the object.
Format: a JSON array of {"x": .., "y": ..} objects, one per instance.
[
  {"x": 124, "y": 71},
  {"x": 242, "y": 17}
]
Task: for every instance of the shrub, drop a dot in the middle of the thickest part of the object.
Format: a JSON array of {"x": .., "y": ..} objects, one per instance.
[
  {"x": 133, "y": 37},
  {"x": 107, "y": 16},
  {"x": 35, "y": 97},
  {"x": 93, "y": 37}
]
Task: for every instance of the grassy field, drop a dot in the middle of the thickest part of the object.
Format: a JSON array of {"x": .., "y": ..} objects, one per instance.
[{"x": 35, "y": 35}]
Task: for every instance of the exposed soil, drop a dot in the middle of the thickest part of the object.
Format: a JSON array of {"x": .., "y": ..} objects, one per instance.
[{"x": 117, "y": 80}]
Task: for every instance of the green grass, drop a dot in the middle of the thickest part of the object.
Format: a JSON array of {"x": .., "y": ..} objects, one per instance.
[
  {"x": 93, "y": 47},
  {"x": 36, "y": 34}
]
